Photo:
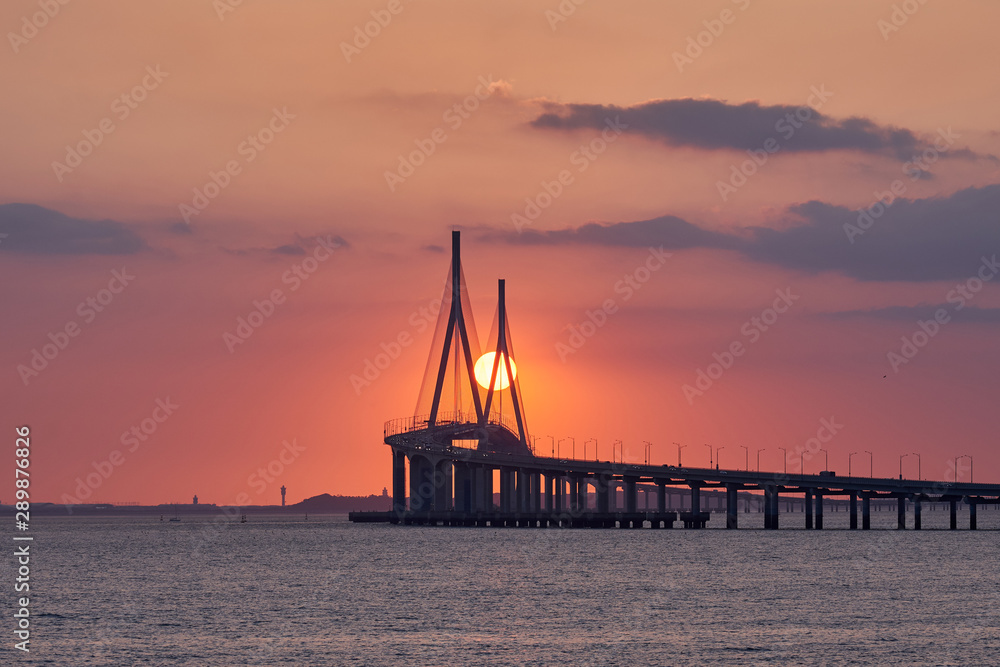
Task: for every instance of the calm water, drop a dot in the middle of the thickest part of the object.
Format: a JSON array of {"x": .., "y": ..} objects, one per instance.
[{"x": 326, "y": 592}]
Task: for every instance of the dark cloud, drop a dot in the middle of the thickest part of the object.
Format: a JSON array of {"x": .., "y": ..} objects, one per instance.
[
  {"x": 667, "y": 231},
  {"x": 714, "y": 124},
  {"x": 925, "y": 312},
  {"x": 912, "y": 240},
  {"x": 33, "y": 229}
]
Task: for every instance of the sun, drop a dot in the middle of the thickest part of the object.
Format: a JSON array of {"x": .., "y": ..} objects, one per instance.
[{"x": 484, "y": 369}]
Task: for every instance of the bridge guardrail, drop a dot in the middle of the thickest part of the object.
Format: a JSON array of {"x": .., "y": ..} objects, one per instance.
[{"x": 421, "y": 422}]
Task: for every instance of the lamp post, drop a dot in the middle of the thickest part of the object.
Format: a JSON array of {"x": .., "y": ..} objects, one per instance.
[
  {"x": 717, "y": 450},
  {"x": 574, "y": 446},
  {"x": 826, "y": 459},
  {"x": 649, "y": 446},
  {"x": 849, "y": 456},
  {"x": 679, "y": 448},
  {"x": 871, "y": 467},
  {"x": 553, "y": 445},
  {"x": 534, "y": 443},
  {"x": 758, "y": 457},
  {"x": 784, "y": 457},
  {"x": 621, "y": 451},
  {"x": 919, "y": 476},
  {"x": 746, "y": 457},
  {"x": 594, "y": 440},
  {"x": 709, "y": 454},
  {"x": 901, "y": 457},
  {"x": 558, "y": 447}
]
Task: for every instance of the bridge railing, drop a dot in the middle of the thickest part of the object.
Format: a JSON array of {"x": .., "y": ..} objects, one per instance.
[{"x": 421, "y": 422}]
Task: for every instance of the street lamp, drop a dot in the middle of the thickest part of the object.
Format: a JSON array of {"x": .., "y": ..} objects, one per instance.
[
  {"x": 679, "y": 448},
  {"x": 784, "y": 458},
  {"x": 849, "y": 456},
  {"x": 574, "y": 446},
  {"x": 709, "y": 454},
  {"x": 901, "y": 457},
  {"x": 919, "y": 477},
  {"x": 826, "y": 459},
  {"x": 594, "y": 440},
  {"x": 649, "y": 446},
  {"x": 717, "y": 450},
  {"x": 871, "y": 468},
  {"x": 746, "y": 457},
  {"x": 558, "y": 448},
  {"x": 534, "y": 443},
  {"x": 758, "y": 457},
  {"x": 553, "y": 445}
]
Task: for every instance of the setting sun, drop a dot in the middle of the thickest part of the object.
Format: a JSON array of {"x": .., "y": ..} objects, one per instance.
[{"x": 484, "y": 369}]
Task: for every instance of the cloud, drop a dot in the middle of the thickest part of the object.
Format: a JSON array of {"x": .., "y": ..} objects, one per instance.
[
  {"x": 968, "y": 313},
  {"x": 32, "y": 229},
  {"x": 941, "y": 238},
  {"x": 718, "y": 125},
  {"x": 668, "y": 231}
]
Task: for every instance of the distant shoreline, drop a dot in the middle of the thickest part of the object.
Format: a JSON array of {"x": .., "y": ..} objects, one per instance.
[{"x": 322, "y": 504}]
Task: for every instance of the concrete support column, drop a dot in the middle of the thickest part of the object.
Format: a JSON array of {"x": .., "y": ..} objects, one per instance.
[
  {"x": 506, "y": 490},
  {"x": 972, "y": 513},
  {"x": 661, "y": 497},
  {"x": 901, "y": 513},
  {"x": 916, "y": 512},
  {"x": 808, "y": 502},
  {"x": 630, "y": 495},
  {"x": 732, "y": 502},
  {"x": 421, "y": 484},
  {"x": 601, "y": 486},
  {"x": 819, "y": 510},
  {"x": 854, "y": 510},
  {"x": 443, "y": 484},
  {"x": 463, "y": 487},
  {"x": 550, "y": 481},
  {"x": 775, "y": 497},
  {"x": 953, "y": 507},
  {"x": 866, "y": 513},
  {"x": 695, "y": 500},
  {"x": 536, "y": 492},
  {"x": 522, "y": 491},
  {"x": 560, "y": 492},
  {"x": 487, "y": 489},
  {"x": 574, "y": 494},
  {"x": 398, "y": 481}
]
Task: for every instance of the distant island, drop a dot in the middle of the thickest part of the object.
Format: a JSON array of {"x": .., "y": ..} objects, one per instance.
[{"x": 321, "y": 504}]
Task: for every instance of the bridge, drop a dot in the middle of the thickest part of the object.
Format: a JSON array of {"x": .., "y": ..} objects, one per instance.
[{"x": 445, "y": 464}]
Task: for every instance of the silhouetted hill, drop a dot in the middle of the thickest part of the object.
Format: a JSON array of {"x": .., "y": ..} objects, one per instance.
[{"x": 336, "y": 504}]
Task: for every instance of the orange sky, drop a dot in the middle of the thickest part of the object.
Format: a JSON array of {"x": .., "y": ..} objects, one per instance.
[{"x": 330, "y": 126}]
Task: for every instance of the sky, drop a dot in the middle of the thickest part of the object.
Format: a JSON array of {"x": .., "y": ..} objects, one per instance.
[{"x": 734, "y": 226}]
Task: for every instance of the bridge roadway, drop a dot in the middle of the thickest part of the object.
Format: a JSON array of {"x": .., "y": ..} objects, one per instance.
[{"x": 453, "y": 485}]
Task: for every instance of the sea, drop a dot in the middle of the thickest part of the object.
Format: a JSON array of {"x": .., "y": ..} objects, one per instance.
[{"x": 319, "y": 590}]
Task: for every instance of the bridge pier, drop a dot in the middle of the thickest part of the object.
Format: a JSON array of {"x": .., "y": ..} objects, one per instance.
[
  {"x": 972, "y": 513},
  {"x": 421, "y": 484},
  {"x": 732, "y": 507},
  {"x": 819, "y": 509},
  {"x": 463, "y": 487},
  {"x": 398, "y": 481},
  {"x": 808, "y": 502},
  {"x": 953, "y": 508},
  {"x": 581, "y": 489},
  {"x": 603, "y": 493},
  {"x": 574, "y": 494},
  {"x": 550, "y": 480},
  {"x": 866, "y": 512},
  {"x": 695, "y": 499},
  {"x": 506, "y": 490},
  {"x": 630, "y": 495},
  {"x": 536, "y": 491},
  {"x": 521, "y": 486},
  {"x": 661, "y": 497},
  {"x": 486, "y": 489},
  {"x": 916, "y": 513},
  {"x": 854, "y": 510},
  {"x": 901, "y": 513}
]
